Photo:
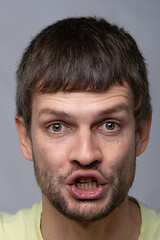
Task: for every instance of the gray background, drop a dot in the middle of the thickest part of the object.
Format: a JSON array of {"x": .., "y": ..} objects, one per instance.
[{"x": 19, "y": 22}]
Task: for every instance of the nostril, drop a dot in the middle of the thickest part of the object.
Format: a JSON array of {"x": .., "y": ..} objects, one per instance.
[{"x": 79, "y": 165}]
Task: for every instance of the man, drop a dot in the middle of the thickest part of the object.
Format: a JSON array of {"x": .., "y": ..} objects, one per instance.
[{"x": 83, "y": 115}]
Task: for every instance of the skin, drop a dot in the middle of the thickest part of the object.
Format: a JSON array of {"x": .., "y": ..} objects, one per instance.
[{"x": 84, "y": 142}]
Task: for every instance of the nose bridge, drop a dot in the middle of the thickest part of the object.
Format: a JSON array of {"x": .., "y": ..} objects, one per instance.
[{"x": 85, "y": 149}]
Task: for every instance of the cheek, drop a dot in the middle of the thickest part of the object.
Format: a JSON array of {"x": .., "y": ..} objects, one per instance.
[
  {"x": 121, "y": 163},
  {"x": 117, "y": 153},
  {"x": 50, "y": 155}
]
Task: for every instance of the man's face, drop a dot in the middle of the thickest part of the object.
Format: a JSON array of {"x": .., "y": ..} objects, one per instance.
[{"x": 83, "y": 147}]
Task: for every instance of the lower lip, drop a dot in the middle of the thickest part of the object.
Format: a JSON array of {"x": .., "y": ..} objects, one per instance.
[{"x": 86, "y": 195}]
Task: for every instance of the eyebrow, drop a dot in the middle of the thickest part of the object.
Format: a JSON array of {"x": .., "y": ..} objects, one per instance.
[
  {"x": 115, "y": 109},
  {"x": 57, "y": 113},
  {"x": 62, "y": 114}
]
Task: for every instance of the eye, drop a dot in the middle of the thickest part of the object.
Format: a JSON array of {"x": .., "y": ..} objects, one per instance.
[
  {"x": 57, "y": 127},
  {"x": 109, "y": 126}
]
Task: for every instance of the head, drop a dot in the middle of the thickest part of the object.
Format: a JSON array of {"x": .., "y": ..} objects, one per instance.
[
  {"x": 81, "y": 54},
  {"x": 83, "y": 106}
]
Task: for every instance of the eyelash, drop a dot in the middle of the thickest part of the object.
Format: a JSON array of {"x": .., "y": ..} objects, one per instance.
[
  {"x": 113, "y": 126},
  {"x": 62, "y": 127}
]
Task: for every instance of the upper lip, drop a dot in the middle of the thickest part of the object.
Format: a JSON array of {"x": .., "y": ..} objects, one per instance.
[{"x": 86, "y": 174}]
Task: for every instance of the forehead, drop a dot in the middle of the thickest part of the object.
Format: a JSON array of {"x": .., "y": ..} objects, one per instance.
[{"x": 84, "y": 101}]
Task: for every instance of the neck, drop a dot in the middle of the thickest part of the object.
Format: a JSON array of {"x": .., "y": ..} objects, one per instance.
[{"x": 123, "y": 223}]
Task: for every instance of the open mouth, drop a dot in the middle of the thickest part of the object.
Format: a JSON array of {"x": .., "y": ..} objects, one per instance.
[{"x": 86, "y": 183}]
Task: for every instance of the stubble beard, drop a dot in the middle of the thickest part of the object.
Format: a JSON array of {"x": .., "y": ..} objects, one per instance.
[{"x": 85, "y": 210}]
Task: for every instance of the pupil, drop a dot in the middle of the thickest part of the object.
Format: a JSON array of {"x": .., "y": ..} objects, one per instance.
[
  {"x": 57, "y": 127},
  {"x": 110, "y": 126}
]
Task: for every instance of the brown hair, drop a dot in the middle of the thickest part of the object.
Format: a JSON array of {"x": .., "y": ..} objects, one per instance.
[{"x": 81, "y": 54}]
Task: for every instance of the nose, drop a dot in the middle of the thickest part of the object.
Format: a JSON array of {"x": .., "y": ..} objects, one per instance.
[{"x": 85, "y": 149}]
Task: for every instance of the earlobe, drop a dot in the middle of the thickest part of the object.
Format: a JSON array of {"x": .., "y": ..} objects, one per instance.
[
  {"x": 143, "y": 134},
  {"x": 24, "y": 139}
]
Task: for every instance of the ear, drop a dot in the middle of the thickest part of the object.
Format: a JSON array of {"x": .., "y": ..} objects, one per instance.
[
  {"x": 143, "y": 134},
  {"x": 24, "y": 139}
]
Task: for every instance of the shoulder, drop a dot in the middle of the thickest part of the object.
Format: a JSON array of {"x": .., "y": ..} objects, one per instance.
[
  {"x": 150, "y": 228},
  {"x": 24, "y": 222}
]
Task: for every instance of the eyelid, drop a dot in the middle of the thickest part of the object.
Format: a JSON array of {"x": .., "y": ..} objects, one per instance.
[
  {"x": 117, "y": 125},
  {"x": 64, "y": 127}
]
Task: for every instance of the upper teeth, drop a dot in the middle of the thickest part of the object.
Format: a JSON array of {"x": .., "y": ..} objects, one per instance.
[{"x": 86, "y": 180}]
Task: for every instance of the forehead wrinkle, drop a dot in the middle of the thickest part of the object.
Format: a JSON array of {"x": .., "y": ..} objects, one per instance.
[
  {"x": 118, "y": 108},
  {"x": 84, "y": 100},
  {"x": 114, "y": 91},
  {"x": 81, "y": 101},
  {"x": 110, "y": 97}
]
